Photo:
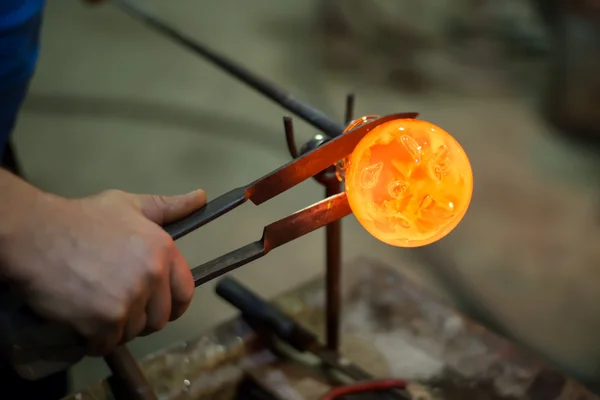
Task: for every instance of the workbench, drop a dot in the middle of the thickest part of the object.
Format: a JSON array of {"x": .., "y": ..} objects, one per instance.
[{"x": 391, "y": 327}]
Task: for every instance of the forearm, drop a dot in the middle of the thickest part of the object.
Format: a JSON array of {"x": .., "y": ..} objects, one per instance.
[{"x": 18, "y": 199}]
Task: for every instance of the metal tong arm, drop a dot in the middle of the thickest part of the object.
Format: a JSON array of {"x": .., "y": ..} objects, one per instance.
[
  {"x": 276, "y": 234},
  {"x": 280, "y": 180}
]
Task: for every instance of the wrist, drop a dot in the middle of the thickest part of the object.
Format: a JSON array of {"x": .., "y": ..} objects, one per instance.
[{"x": 18, "y": 204}]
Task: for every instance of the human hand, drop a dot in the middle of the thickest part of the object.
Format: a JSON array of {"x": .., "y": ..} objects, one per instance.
[{"x": 102, "y": 264}]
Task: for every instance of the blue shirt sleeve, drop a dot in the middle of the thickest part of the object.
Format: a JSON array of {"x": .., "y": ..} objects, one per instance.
[{"x": 20, "y": 22}]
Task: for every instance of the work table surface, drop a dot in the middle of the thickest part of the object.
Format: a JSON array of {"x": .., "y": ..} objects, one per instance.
[{"x": 391, "y": 327}]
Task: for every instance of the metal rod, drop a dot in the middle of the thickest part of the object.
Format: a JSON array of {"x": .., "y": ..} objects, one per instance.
[
  {"x": 285, "y": 99},
  {"x": 349, "y": 108},
  {"x": 127, "y": 381},
  {"x": 288, "y": 126},
  {"x": 274, "y": 235},
  {"x": 333, "y": 272}
]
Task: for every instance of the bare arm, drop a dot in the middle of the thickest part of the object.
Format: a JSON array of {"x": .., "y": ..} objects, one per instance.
[{"x": 101, "y": 264}]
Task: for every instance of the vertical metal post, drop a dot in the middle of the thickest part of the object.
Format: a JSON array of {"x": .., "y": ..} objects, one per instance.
[
  {"x": 127, "y": 380},
  {"x": 333, "y": 274},
  {"x": 349, "y": 115}
]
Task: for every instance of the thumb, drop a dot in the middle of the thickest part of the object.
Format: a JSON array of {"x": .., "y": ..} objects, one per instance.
[{"x": 166, "y": 209}]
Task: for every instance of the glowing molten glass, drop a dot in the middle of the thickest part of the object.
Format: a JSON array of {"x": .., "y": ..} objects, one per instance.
[{"x": 409, "y": 183}]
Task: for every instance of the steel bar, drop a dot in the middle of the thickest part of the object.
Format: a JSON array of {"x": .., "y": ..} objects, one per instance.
[
  {"x": 127, "y": 380},
  {"x": 288, "y": 127},
  {"x": 333, "y": 270},
  {"x": 349, "y": 116},
  {"x": 308, "y": 113},
  {"x": 274, "y": 235}
]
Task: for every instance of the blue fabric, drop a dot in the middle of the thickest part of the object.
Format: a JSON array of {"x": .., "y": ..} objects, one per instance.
[{"x": 20, "y": 22}]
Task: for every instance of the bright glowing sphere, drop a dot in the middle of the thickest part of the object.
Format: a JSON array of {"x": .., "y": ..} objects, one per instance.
[{"x": 409, "y": 183}]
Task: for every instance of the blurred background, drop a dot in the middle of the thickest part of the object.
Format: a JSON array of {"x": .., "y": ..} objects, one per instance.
[{"x": 517, "y": 82}]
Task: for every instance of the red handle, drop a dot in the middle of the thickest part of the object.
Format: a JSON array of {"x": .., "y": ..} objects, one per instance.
[{"x": 365, "y": 386}]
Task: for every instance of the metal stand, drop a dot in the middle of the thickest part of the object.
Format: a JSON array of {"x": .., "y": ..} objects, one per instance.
[{"x": 333, "y": 234}]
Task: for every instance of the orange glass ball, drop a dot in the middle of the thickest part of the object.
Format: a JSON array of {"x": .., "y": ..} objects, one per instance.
[{"x": 409, "y": 183}]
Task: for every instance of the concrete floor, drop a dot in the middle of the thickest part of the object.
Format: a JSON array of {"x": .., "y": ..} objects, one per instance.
[{"x": 114, "y": 105}]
